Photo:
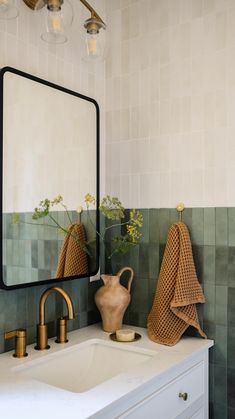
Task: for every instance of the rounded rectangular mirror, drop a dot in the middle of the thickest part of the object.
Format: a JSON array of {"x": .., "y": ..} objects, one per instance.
[{"x": 50, "y": 161}]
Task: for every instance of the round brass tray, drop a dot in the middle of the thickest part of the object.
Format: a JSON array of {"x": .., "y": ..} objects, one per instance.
[{"x": 114, "y": 337}]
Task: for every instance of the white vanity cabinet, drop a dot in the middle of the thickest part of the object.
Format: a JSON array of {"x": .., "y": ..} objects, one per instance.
[{"x": 183, "y": 395}]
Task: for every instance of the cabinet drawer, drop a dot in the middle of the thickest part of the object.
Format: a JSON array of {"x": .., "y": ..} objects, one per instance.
[{"x": 169, "y": 402}]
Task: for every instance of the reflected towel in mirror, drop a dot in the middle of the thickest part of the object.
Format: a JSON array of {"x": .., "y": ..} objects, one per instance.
[{"x": 73, "y": 260}]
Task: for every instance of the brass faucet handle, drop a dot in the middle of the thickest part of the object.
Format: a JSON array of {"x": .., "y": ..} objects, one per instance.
[
  {"x": 62, "y": 330},
  {"x": 20, "y": 342}
]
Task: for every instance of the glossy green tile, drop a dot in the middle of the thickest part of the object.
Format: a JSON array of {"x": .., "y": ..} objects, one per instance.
[
  {"x": 173, "y": 216},
  {"x": 221, "y": 265},
  {"x": 208, "y": 267},
  {"x": 139, "y": 296},
  {"x": 221, "y": 226},
  {"x": 153, "y": 255},
  {"x": 209, "y": 306},
  {"x": 231, "y": 413},
  {"x": 221, "y": 334},
  {"x": 51, "y": 254},
  {"x": 15, "y": 252},
  {"x": 231, "y": 226},
  {"x": 198, "y": 255},
  {"x": 154, "y": 226},
  {"x": 231, "y": 347},
  {"x": 231, "y": 266},
  {"x": 197, "y": 230},
  {"x": 221, "y": 301},
  {"x": 34, "y": 253},
  {"x": 220, "y": 410},
  {"x": 211, "y": 368},
  {"x": 231, "y": 387},
  {"x": 144, "y": 258},
  {"x": 134, "y": 260},
  {"x": 209, "y": 226},
  {"x": 231, "y": 307},
  {"x": 164, "y": 224},
  {"x": 220, "y": 383}
]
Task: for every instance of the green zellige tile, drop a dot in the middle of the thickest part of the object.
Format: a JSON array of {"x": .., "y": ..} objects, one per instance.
[
  {"x": 221, "y": 265},
  {"x": 209, "y": 226},
  {"x": 154, "y": 225},
  {"x": 221, "y": 229},
  {"x": 197, "y": 230},
  {"x": 209, "y": 264},
  {"x": 221, "y": 301},
  {"x": 231, "y": 226},
  {"x": 231, "y": 266}
]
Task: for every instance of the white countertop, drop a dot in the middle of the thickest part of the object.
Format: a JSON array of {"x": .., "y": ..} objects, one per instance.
[{"x": 30, "y": 399}]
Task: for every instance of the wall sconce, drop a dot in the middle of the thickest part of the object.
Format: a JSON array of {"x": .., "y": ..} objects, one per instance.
[{"x": 60, "y": 15}]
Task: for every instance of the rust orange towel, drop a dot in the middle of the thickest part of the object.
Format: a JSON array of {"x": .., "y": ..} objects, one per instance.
[
  {"x": 73, "y": 259},
  {"x": 178, "y": 290}
]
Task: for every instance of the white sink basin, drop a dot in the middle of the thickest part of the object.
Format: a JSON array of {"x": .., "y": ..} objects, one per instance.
[{"x": 85, "y": 365}]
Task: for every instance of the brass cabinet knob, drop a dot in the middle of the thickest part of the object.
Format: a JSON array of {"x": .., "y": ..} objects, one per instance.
[
  {"x": 183, "y": 396},
  {"x": 20, "y": 342}
]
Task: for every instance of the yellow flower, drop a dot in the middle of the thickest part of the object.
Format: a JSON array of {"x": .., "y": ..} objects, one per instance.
[{"x": 89, "y": 199}]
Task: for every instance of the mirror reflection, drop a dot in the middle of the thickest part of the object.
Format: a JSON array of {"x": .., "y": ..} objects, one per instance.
[{"x": 50, "y": 149}]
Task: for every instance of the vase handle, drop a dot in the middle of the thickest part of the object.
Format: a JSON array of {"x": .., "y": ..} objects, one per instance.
[{"x": 127, "y": 268}]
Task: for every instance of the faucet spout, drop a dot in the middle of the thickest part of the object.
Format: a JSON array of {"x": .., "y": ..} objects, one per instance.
[
  {"x": 42, "y": 339},
  {"x": 44, "y": 297}
]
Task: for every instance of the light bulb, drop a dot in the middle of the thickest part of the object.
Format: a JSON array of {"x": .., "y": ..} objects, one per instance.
[
  {"x": 8, "y": 9},
  {"x": 94, "y": 46},
  {"x": 55, "y": 28}
]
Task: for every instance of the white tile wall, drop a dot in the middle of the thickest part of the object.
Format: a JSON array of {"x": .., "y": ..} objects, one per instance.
[{"x": 170, "y": 102}]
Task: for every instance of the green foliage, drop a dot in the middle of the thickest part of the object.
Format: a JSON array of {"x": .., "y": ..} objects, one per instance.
[{"x": 112, "y": 210}]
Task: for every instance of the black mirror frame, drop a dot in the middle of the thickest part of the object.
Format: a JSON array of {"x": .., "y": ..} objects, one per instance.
[{"x": 81, "y": 96}]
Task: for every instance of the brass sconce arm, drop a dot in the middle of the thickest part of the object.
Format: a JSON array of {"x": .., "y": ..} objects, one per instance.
[
  {"x": 94, "y": 14},
  {"x": 39, "y": 4}
]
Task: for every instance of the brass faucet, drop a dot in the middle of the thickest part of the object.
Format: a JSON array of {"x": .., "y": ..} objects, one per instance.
[{"x": 42, "y": 338}]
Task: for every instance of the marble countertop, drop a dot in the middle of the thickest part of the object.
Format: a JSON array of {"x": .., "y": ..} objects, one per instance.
[{"x": 28, "y": 398}]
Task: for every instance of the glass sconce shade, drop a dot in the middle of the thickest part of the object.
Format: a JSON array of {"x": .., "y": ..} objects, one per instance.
[
  {"x": 94, "y": 39},
  {"x": 57, "y": 22},
  {"x": 93, "y": 45},
  {"x": 55, "y": 33},
  {"x": 8, "y": 9}
]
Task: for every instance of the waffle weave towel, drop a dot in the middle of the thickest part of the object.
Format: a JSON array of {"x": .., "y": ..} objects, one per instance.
[
  {"x": 73, "y": 259},
  {"x": 178, "y": 290}
]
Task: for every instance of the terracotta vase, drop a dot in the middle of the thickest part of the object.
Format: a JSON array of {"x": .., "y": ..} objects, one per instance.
[{"x": 112, "y": 300}]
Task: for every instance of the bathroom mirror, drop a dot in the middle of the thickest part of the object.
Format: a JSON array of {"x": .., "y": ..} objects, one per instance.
[{"x": 50, "y": 148}]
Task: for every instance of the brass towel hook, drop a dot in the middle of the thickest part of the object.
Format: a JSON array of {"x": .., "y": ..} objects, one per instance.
[{"x": 180, "y": 207}]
